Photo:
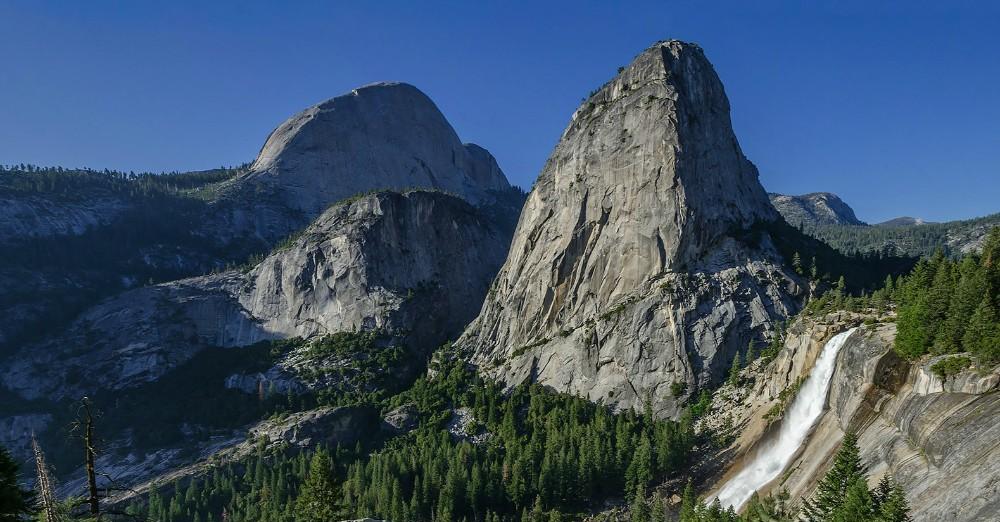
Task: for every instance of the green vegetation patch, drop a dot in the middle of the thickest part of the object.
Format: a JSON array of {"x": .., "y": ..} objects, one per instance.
[{"x": 950, "y": 366}]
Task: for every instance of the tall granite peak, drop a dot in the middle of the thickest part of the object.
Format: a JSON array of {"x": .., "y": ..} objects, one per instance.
[
  {"x": 671, "y": 110},
  {"x": 625, "y": 274},
  {"x": 381, "y": 136},
  {"x": 816, "y": 208}
]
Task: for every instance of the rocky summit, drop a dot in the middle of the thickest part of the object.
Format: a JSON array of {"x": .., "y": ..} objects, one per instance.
[
  {"x": 627, "y": 276},
  {"x": 380, "y": 136},
  {"x": 817, "y": 208}
]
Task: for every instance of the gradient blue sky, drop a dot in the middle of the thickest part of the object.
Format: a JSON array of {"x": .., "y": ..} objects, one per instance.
[{"x": 895, "y": 107}]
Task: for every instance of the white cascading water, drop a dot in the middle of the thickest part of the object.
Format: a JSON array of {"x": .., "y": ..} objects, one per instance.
[{"x": 799, "y": 418}]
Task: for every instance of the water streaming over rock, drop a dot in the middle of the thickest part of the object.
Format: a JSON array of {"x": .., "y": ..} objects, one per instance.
[{"x": 775, "y": 454}]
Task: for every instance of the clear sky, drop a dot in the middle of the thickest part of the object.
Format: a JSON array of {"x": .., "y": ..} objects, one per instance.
[{"x": 895, "y": 107}]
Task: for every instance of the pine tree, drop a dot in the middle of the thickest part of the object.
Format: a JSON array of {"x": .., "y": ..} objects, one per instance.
[
  {"x": 751, "y": 352},
  {"x": 734, "y": 371},
  {"x": 658, "y": 513},
  {"x": 991, "y": 263},
  {"x": 639, "y": 510},
  {"x": 832, "y": 489},
  {"x": 640, "y": 470},
  {"x": 857, "y": 503},
  {"x": 537, "y": 513},
  {"x": 767, "y": 509},
  {"x": 840, "y": 292},
  {"x": 318, "y": 501},
  {"x": 889, "y": 287},
  {"x": 689, "y": 504},
  {"x": 912, "y": 337},
  {"x": 968, "y": 293},
  {"x": 15, "y": 501},
  {"x": 892, "y": 503},
  {"x": 982, "y": 336},
  {"x": 938, "y": 302}
]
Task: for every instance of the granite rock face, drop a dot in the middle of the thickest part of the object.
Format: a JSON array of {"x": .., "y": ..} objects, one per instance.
[
  {"x": 418, "y": 263},
  {"x": 817, "y": 208},
  {"x": 29, "y": 217},
  {"x": 626, "y": 273}
]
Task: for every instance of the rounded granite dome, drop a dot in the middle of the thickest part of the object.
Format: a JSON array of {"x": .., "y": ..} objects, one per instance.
[{"x": 381, "y": 136}]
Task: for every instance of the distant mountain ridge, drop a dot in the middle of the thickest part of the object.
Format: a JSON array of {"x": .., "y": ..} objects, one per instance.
[
  {"x": 903, "y": 221},
  {"x": 816, "y": 208},
  {"x": 825, "y": 216}
]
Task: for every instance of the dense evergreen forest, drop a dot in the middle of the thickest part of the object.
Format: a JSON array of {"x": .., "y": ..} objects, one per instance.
[
  {"x": 81, "y": 184},
  {"x": 943, "y": 306},
  {"x": 905, "y": 240},
  {"x": 528, "y": 454}
]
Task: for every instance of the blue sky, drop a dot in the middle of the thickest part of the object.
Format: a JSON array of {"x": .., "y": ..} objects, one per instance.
[{"x": 894, "y": 107}]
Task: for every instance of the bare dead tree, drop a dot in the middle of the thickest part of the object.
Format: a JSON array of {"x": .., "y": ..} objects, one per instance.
[
  {"x": 47, "y": 497},
  {"x": 85, "y": 424}
]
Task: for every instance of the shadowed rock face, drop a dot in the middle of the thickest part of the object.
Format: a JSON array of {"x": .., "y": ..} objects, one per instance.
[
  {"x": 624, "y": 274},
  {"x": 417, "y": 263},
  {"x": 817, "y": 208},
  {"x": 381, "y": 136}
]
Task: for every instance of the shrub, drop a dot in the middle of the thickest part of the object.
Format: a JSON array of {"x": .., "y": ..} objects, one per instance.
[{"x": 950, "y": 366}]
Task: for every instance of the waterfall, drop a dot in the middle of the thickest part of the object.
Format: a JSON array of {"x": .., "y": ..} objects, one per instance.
[{"x": 775, "y": 454}]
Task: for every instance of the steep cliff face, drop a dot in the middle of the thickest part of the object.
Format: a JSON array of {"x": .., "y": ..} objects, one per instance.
[
  {"x": 412, "y": 262},
  {"x": 416, "y": 264},
  {"x": 928, "y": 434},
  {"x": 624, "y": 275},
  {"x": 817, "y": 208}
]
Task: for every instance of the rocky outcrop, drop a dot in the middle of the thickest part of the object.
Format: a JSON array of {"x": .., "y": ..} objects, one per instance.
[
  {"x": 627, "y": 272},
  {"x": 416, "y": 264},
  {"x": 928, "y": 434},
  {"x": 29, "y": 217},
  {"x": 817, "y": 208},
  {"x": 325, "y": 426}
]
